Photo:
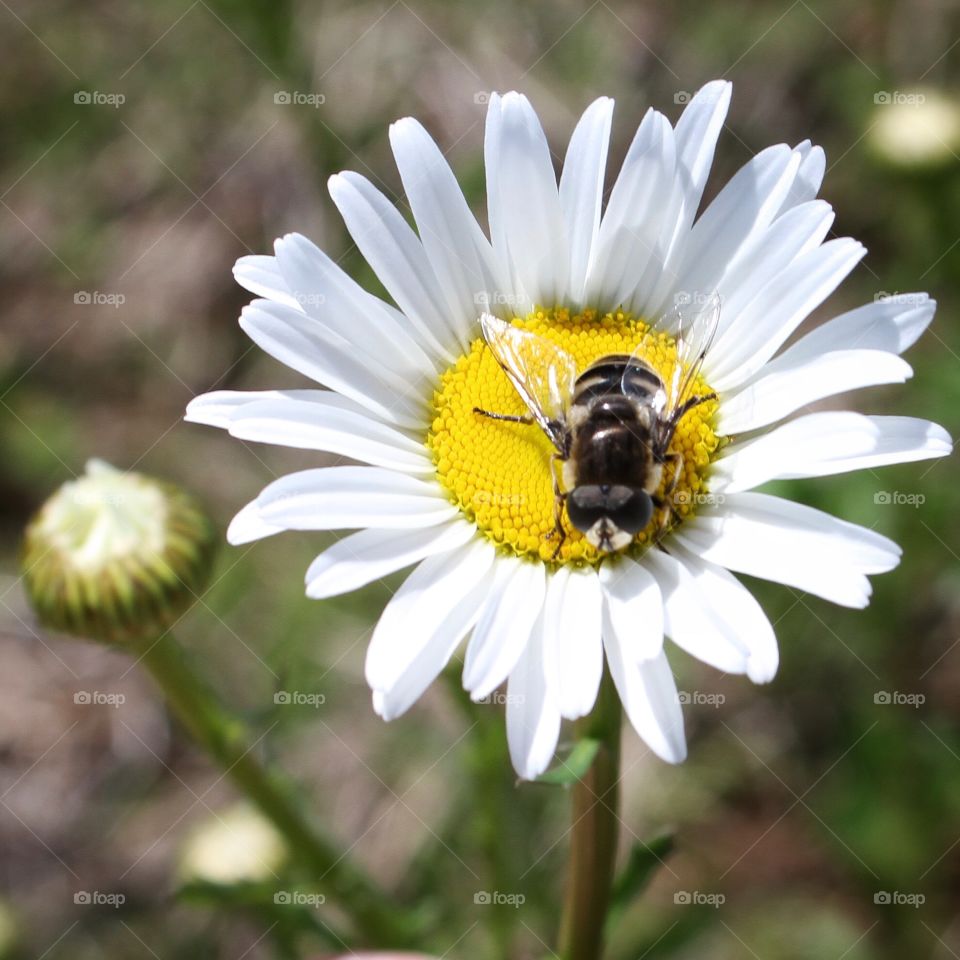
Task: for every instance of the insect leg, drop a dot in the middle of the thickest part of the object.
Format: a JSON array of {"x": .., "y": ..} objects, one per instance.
[
  {"x": 559, "y": 498},
  {"x": 676, "y": 459},
  {"x": 509, "y": 417},
  {"x": 688, "y": 405}
]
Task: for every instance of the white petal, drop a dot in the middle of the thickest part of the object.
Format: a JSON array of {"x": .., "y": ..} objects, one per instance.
[
  {"x": 533, "y": 717},
  {"x": 491, "y": 163},
  {"x": 776, "y": 539},
  {"x": 368, "y": 555},
  {"x": 581, "y": 189},
  {"x": 649, "y": 695},
  {"x": 529, "y": 203},
  {"x": 746, "y": 204},
  {"x": 769, "y": 251},
  {"x": 573, "y": 649},
  {"x": 787, "y": 385},
  {"x": 262, "y": 276},
  {"x": 777, "y": 310},
  {"x": 628, "y": 239},
  {"x": 696, "y": 137},
  {"x": 806, "y": 186},
  {"x": 503, "y": 631},
  {"x": 315, "y": 426},
  {"x": 326, "y": 293},
  {"x": 424, "y": 623},
  {"x": 338, "y": 498},
  {"x": 692, "y": 619},
  {"x": 396, "y": 255},
  {"x": 216, "y": 408},
  {"x": 735, "y": 607},
  {"x": 308, "y": 347},
  {"x": 697, "y": 132},
  {"x": 461, "y": 257},
  {"x": 634, "y": 608},
  {"x": 891, "y": 323},
  {"x": 219, "y": 407},
  {"x": 822, "y": 444},
  {"x": 247, "y": 526}
]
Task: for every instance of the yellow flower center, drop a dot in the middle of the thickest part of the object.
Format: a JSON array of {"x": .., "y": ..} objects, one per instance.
[{"x": 499, "y": 473}]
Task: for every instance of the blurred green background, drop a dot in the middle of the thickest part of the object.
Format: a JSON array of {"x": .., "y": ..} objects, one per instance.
[{"x": 803, "y": 803}]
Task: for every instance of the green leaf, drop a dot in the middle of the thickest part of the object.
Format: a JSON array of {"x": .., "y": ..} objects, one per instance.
[
  {"x": 576, "y": 765},
  {"x": 643, "y": 862}
]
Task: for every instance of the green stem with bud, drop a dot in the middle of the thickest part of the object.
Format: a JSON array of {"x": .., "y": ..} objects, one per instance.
[
  {"x": 593, "y": 835},
  {"x": 225, "y": 738}
]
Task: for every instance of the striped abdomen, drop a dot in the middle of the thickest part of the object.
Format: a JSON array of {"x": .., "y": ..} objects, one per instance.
[{"x": 612, "y": 415}]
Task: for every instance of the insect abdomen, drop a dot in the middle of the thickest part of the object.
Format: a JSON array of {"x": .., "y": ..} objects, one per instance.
[{"x": 617, "y": 374}]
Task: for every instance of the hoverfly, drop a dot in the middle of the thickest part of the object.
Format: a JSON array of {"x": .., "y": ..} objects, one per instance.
[{"x": 610, "y": 425}]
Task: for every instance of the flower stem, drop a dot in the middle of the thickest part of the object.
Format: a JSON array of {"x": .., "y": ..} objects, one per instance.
[
  {"x": 593, "y": 843},
  {"x": 225, "y": 738}
]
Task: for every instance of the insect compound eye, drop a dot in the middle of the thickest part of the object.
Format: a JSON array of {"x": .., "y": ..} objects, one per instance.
[
  {"x": 634, "y": 512},
  {"x": 628, "y": 508}
]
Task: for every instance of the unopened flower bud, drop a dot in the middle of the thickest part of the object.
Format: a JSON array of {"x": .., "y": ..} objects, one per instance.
[{"x": 116, "y": 556}]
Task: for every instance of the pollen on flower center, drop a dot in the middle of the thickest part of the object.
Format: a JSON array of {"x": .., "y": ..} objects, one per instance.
[{"x": 499, "y": 473}]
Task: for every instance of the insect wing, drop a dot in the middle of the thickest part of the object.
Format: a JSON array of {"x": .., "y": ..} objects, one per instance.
[
  {"x": 541, "y": 372},
  {"x": 696, "y": 326},
  {"x": 639, "y": 379}
]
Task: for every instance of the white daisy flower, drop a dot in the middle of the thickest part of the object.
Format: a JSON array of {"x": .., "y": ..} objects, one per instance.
[{"x": 468, "y": 502}]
